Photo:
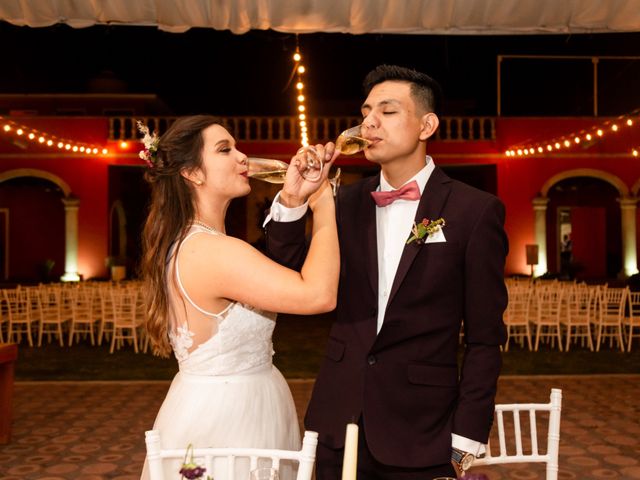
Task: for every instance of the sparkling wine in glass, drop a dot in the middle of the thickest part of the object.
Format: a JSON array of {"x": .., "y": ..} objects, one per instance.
[
  {"x": 267, "y": 169},
  {"x": 348, "y": 142},
  {"x": 275, "y": 171}
]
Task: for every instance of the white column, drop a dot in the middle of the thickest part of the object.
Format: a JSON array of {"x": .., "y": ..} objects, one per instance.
[
  {"x": 540, "y": 210},
  {"x": 629, "y": 247},
  {"x": 71, "y": 205}
]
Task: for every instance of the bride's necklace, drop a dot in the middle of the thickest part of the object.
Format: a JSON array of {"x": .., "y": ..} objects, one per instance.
[{"x": 204, "y": 225}]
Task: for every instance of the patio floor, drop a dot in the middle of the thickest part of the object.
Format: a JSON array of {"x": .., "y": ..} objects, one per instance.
[{"x": 95, "y": 430}]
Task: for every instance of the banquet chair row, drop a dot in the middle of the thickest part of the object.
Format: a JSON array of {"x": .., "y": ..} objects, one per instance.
[
  {"x": 95, "y": 311},
  {"x": 566, "y": 313}
]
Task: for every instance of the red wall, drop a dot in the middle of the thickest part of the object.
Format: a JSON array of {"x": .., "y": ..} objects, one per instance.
[{"x": 519, "y": 179}]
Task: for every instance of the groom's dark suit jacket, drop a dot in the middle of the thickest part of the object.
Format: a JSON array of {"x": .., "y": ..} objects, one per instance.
[{"x": 405, "y": 381}]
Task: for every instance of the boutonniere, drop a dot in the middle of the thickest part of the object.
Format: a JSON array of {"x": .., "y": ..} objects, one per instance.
[{"x": 420, "y": 231}]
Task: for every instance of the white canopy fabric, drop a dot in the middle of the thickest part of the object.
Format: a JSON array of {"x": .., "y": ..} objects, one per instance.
[{"x": 422, "y": 17}]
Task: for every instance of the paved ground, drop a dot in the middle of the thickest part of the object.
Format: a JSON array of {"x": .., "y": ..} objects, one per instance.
[{"x": 95, "y": 430}]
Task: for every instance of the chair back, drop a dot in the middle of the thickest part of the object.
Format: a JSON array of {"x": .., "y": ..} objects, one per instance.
[
  {"x": 305, "y": 457},
  {"x": 517, "y": 454}
]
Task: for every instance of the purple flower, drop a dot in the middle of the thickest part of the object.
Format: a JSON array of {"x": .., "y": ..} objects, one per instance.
[{"x": 192, "y": 473}]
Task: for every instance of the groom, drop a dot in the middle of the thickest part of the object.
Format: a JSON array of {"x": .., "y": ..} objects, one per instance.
[{"x": 391, "y": 359}]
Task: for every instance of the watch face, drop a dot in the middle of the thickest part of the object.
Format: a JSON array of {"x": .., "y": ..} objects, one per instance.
[{"x": 466, "y": 462}]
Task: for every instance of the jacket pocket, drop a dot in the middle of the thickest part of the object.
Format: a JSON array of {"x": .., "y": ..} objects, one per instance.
[
  {"x": 434, "y": 375},
  {"x": 335, "y": 349}
]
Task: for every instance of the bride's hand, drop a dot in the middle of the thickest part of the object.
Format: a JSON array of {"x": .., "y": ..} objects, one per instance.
[{"x": 296, "y": 189}]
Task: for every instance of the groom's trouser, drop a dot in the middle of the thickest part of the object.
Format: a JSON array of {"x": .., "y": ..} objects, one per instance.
[{"x": 329, "y": 465}]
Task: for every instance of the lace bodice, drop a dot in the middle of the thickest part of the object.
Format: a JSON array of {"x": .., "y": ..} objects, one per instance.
[{"x": 241, "y": 343}]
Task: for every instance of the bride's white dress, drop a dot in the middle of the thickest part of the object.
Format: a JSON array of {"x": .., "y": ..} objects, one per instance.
[{"x": 227, "y": 392}]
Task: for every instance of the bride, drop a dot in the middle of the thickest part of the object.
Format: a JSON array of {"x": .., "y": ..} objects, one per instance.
[{"x": 209, "y": 296}]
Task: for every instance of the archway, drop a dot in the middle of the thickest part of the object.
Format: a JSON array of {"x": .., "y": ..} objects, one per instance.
[
  {"x": 42, "y": 237},
  {"x": 585, "y": 212}
]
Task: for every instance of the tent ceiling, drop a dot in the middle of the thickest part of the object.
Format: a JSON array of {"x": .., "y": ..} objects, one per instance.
[{"x": 338, "y": 16}]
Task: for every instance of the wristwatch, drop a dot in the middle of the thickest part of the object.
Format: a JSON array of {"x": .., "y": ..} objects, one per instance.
[{"x": 463, "y": 459}]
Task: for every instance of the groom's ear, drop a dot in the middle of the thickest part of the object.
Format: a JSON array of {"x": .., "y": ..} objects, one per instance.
[{"x": 428, "y": 125}]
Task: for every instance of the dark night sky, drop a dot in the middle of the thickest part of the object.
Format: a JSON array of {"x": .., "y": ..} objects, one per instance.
[{"x": 217, "y": 72}]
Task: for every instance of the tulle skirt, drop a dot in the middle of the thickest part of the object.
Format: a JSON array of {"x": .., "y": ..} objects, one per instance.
[{"x": 253, "y": 410}]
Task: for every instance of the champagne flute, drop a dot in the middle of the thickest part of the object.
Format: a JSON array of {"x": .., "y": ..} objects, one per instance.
[
  {"x": 275, "y": 171},
  {"x": 348, "y": 142}
]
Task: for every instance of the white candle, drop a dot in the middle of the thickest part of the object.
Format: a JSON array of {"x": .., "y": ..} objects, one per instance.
[{"x": 350, "y": 461}]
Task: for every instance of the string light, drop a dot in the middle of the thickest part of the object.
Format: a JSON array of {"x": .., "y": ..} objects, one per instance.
[
  {"x": 596, "y": 132},
  {"x": 44, "y": 138},
  {"x": 300, "y": 97}
]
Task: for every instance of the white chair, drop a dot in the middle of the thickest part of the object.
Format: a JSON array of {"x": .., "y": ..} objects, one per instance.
[
  {"x": 517, "y": 454},
  {"x": 577, "y": 321},
  {"x": 517, "y": 317},
  {"x": 51, "y": 321},
  {"x": 19, "y": 310},
  {"x": 608, "y": 321},
  {"x": 548, "y": 300},
  {"x": 83, "y": 317},
  {"x": 124, "y": 302},
  {"x": 305, "y": 457},
  {"x": 631, "y": 321}
]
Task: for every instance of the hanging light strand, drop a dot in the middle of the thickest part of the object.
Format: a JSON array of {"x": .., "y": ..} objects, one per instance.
[
  {"x": 300, "y": 70},
  {"x": 588, "y": 136},
  {"x": 9, "y": 127}
]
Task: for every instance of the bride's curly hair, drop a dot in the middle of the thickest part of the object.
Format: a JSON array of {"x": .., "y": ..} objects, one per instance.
[{"x": 171, "y": 211}]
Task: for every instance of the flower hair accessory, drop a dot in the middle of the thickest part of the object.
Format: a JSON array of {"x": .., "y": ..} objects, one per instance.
[
  {"x": 150, "y": 141},
  {"x": 425, "y": 228}
]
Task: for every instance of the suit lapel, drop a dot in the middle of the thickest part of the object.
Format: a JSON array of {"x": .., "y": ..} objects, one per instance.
[
  {"x": 431, "y": 204},
  {"x": 368, "y": 212}
]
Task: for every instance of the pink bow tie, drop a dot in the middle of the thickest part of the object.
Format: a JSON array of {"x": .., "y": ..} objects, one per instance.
[{"x": 410, "y": 191}]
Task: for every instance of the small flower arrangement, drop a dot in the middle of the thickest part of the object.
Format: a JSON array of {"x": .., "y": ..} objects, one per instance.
[
  {"x": 425, "y": 228},
  {"x": 150, "y": 141},
  {"x": 190, "y": 469}
]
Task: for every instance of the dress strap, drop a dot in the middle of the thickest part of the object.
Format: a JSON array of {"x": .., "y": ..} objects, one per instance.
[{"x": 195, "y": 230}]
